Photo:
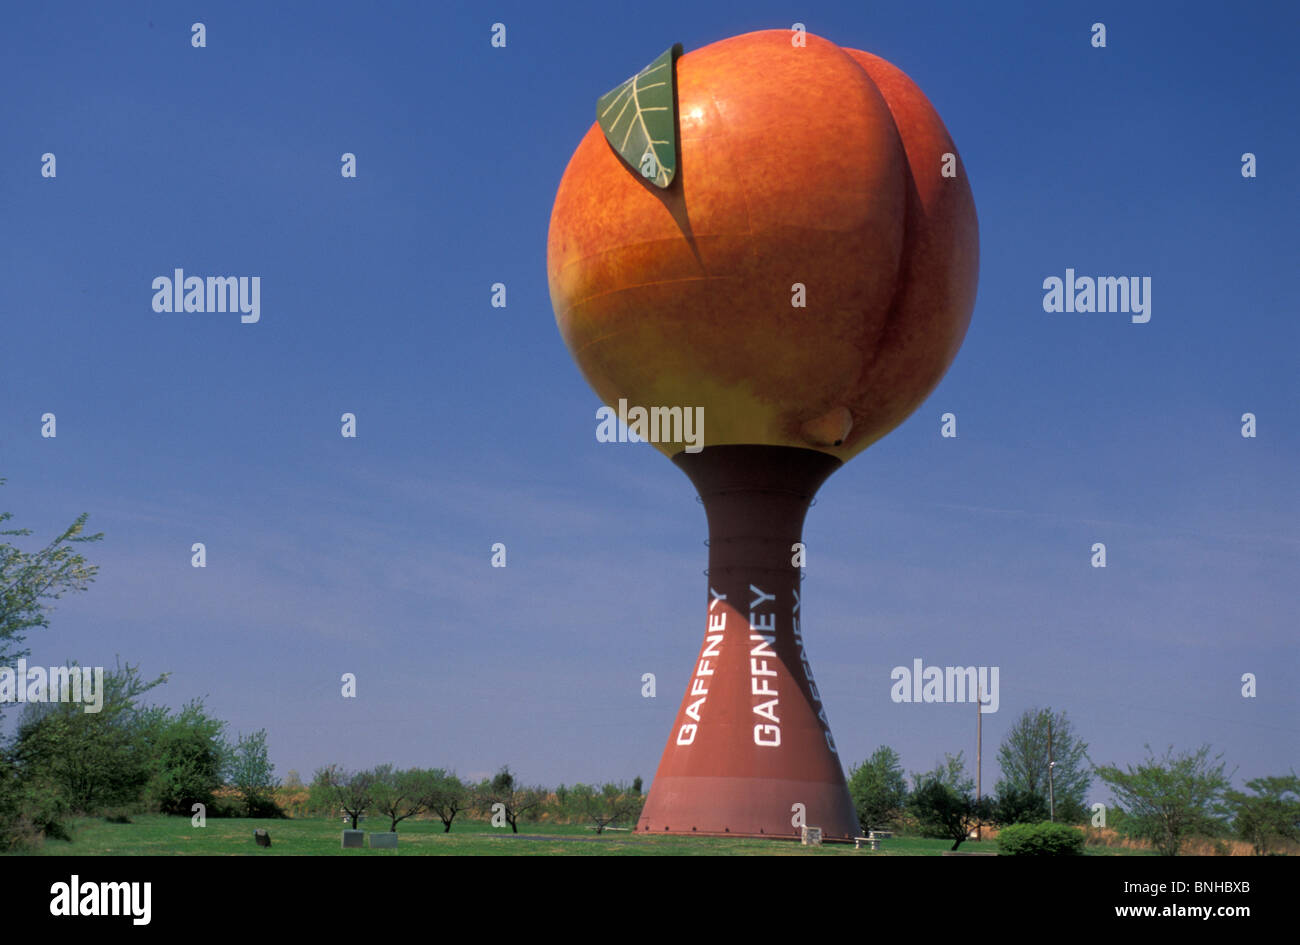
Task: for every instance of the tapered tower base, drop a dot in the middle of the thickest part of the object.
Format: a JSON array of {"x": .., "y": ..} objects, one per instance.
[{"x": 751, "y": 753}]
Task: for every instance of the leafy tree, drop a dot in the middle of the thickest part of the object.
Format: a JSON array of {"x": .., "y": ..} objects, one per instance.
[
  {"x": 515, "y": 799},
  {"x": 401, "y": 794},
  {"x": 1023, "y": 761},
  {"x": 321, "y": 795},
  {"x": 447, "y": 797},
  {"x": 943, "y": 812},
  {"x": 503, "y": 780},
  {"x": 1172, "y": 798},
  {"x": 253, "y": 776},
  {"x": 190, "y": 753},
  {"x": 607, "y": 805},
  {"x": 352, "y": 792},
  {"x": 29, "y": 579},
  {"x": 878, "y": 788},
  {"x": 943, "y": 803},
  {"x": 31, "y": 801},
  {"x": 96, "y": 760},
  {"x": 951, "y": 772},
  {"x": 1271, "y": 815}
]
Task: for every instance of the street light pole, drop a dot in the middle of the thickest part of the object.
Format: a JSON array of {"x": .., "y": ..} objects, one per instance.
[
  {"x": 979, "y": 756},
  {"x": 1051, "y": 787}
]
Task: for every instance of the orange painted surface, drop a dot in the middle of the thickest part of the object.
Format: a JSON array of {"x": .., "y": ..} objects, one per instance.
[{"x": 816, "y": 165}]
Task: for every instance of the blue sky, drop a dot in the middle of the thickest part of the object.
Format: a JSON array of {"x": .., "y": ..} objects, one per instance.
[{"x": 372, "y": 555}]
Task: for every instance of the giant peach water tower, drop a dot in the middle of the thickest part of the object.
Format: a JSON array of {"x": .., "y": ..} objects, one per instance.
[{"x": 779, "y": 230}]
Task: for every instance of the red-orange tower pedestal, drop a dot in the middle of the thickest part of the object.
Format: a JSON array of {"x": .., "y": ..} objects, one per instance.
[{"x": 751, "y": 742}]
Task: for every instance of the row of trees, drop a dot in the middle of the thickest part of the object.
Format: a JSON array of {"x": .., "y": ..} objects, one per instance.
[
  {"x": 1163, "y": 800},
  {"x": 397, "y": 795}
]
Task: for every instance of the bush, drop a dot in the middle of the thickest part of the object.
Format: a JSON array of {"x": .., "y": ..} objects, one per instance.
[
  {"x": 1015, "y": 806},
  {"x": 263, "y": 808},
  {"x": 42, "y": 815},
  {"x": 225, "y": 806},
  {"x": 31, "y": 809},
  {"x": 1045, "y": 839}
]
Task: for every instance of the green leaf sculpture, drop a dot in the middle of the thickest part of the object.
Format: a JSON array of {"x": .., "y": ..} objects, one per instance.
[{"x": 639, "y": 119}]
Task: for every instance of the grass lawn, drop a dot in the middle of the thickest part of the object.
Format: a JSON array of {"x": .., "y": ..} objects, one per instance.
[{"x": 158, "y": 834}]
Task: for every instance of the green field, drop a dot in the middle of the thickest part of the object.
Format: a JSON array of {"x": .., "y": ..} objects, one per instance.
[{"x": 157, "y": 834}]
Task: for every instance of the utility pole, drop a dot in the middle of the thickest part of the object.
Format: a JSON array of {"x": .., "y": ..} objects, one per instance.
[
  {"x": 1051, "y": 788},
  {"x": 979, "y": 757}
]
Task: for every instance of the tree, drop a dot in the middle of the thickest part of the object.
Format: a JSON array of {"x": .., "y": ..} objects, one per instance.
[
  {"x": 401, "y": 794},
  {"x": 607, "y": 805},
  {"x": 253, "y": 776},
  {"x": 943, "y": 804},
  {"x": 944, "y": 812},
  {"x": 1023, "y": 761},
  {"x": 1172, "y": 798},
  {"x": 96, "y": 760},
  {"x": 29, "y": 579},
  {"x": 878, "y": 788},
  {"x": 448, "y": 796},
  {"x": 32, "y": 799},
  {"x": 190, "y": 753},
  {"x": 1271, "y": 815},
  {"x": 514, "y": 799},
  {"x": 951, "y": 772},
  {"x": 353, "y": 792}
]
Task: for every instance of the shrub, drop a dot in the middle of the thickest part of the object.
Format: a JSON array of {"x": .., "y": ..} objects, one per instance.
[
  {"x": 263, "y": 808},
  {"x": 1045, "y": 839},
  {"x": 1015, "y": 806},
  {"x": 225, "y": 805},
  {"x": 31, "y": 809}
]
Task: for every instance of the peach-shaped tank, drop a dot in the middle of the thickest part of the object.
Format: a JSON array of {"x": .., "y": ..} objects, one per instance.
[
  {"x": 801, "y": 166},
  {"x": 795, "y": 251}
]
